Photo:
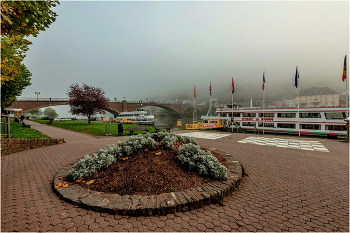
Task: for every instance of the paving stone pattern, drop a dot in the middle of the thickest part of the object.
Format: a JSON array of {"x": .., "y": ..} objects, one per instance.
[
  {"x": 285, "y": 190},
  {"x": 286, "y": 143}
]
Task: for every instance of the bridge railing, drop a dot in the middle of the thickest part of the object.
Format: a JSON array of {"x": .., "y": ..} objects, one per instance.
[{"x": 41, "y": 99}]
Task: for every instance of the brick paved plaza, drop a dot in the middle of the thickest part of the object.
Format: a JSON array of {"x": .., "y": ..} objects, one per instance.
[{"x": 286, "y": 189}]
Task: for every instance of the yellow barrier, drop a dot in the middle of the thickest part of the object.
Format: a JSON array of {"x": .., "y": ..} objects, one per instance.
[{"x": 202, "y": 125}]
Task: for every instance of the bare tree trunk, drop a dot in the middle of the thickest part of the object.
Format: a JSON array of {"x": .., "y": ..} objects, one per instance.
[{"x": 89, "y": 119}]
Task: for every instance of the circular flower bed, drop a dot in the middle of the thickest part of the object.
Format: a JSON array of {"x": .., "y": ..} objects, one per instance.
[{"x": 189, "y": 154}]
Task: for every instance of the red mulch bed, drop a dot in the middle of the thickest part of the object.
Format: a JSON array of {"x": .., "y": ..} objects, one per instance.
[{"x": 148, "y": 173}]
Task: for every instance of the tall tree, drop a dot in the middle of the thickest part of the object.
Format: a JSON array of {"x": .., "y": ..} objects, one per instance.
[
  {"x": 87, "y": 100},
  {"x": 50, "y": 112},
  {"x": 18, "y": 20}
]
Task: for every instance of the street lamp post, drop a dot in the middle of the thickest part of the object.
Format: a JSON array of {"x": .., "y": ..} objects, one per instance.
[{"x": 37, "y": 95}]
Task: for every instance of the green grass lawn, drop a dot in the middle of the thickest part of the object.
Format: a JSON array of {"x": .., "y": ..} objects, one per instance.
[
  {"x": 95, "y": 128},
  {"x": 17, "y": 131}
]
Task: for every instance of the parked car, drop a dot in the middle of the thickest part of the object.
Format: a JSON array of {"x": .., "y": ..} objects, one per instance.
[
  {"x": 45, "y": 118},
  {"x": 62, "y": 119}
]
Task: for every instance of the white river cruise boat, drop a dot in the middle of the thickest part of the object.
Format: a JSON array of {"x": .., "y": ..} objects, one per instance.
[
  {"x": 136, "y": 117},
  {"x": 312, "y": 121}
]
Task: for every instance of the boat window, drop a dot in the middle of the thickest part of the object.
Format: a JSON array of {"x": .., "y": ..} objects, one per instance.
[
  {"x": 282, "y": 125},
  {"x": 310, "y": 115},
  {"x": 335, "y": 115},
  {"x": 248, "y": 123},
  {"x": 286, "y": 115},
  {"x": 310, "y": 126},
  {"x": 234, "y": 115},
  {"x": 249, "y": 114},
  {"x": 336, "y": 127},
  {"x": 269, "y": 125},
  {"x": 269, "y": 114}
]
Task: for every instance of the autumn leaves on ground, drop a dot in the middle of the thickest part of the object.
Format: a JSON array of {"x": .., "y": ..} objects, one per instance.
[{"x": 145, "y": 173}]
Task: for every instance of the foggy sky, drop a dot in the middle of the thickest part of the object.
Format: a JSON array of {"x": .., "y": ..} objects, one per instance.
[{"x": 160, "y": 50}]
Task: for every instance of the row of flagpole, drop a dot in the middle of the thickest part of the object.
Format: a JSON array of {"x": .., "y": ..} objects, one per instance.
[{"x": 344, "y": 77}]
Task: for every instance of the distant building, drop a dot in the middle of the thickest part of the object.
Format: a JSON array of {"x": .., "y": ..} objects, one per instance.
[{"x": 316, "y": 97}]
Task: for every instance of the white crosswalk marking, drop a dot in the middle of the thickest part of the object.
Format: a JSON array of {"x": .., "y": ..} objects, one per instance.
[
  {"x": 205, "y": 135},
  {"x": 286, "y": 143}
]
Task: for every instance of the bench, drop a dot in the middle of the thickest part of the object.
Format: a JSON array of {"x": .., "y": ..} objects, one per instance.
[
  {"x": 25, "y": 126},
  {"x": 162, "y": 127},
  {"x": 50, "y": 121},
  {"x": 137, "y": 128}
]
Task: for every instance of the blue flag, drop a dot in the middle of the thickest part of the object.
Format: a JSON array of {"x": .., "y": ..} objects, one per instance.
[{"x": 296, "y": 77}]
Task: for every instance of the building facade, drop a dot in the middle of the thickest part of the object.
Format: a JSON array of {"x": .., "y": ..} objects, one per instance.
[{"x": 317, "y": 97}]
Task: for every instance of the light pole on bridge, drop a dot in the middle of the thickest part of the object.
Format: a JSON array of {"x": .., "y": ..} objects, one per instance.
[{"x": 37, "y": 95}]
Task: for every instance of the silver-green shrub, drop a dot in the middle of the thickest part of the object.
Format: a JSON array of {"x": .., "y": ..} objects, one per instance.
[
  {"x": 90, "y": 165},
  {"x": 168, "y": 142},
  {"x": 201, "y": 161}
]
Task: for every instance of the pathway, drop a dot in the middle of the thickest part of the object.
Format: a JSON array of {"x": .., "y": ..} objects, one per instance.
[{"x": 286, "y": 190}]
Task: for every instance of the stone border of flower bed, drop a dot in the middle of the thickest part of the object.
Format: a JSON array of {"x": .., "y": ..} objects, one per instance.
[{"x": 163, "y": 204}]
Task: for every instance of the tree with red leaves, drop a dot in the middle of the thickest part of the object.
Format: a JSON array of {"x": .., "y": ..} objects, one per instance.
[{"x": 86, "y": 100}]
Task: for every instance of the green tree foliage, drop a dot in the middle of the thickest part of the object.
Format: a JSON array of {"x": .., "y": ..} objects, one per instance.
[
  {"x": 50, "y": 112},
  {"x": 13, "y": 88},
  {"x": 36, "y": 112},
  {"x": 13, "y": 51},
  {"x": 26, "y": 17}
]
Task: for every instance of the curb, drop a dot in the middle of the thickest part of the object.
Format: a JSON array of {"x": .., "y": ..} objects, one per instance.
[{"x": 163, "y": 204}]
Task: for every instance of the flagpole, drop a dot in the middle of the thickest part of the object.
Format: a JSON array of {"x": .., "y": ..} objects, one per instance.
[
  {"x": 298, "y": 102},
  {"x": 232, "y": 114},
  {"x": 263, "y": 117},
  {"x": 347, "y": 89},
  {"x": 194, "y": 108}
]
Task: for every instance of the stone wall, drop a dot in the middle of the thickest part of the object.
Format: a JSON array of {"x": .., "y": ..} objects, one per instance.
[{"x": 13, "y": 145}]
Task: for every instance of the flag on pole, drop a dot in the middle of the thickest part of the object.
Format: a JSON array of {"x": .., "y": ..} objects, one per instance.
[
  {"x": 344, "y": 69},
  {"x": 263, "y": 84},
  {"x": 210, "y": 88},
  {"x": 195, "y": 92},
  {"x": 233, "y": 86},
  {"x": 296, "y": 77}
]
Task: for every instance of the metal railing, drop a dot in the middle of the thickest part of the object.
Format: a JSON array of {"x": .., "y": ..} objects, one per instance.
[
  {"x": 5, "y": 126},
  {"x": 41, "y": 99}
]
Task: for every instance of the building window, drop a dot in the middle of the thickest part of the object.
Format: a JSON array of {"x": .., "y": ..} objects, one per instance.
[
  {"x": 310, "y": 115},
  {"x": 269, "y": 114},
  {"x": 309, "y": 126},
  {"x": 234, "y": 115},
  {"x": 332, "y": 102},
  {"x": 286, "y": 115},
  {"x": 315, "y": 99},
  {"x": 248, "y": 123},
  {"x": 289, "y": 126},
  {"x": 269, "y": 125},
  {"x": 336, "y": 127},
  {"x": 249, "y": 114}
]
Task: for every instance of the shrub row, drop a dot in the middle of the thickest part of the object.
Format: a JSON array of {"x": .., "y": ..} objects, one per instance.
[{"x": 189, "y": 155}]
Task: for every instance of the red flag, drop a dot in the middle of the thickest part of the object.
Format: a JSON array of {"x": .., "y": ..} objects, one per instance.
[
  {"x": 195, "y": 92},
  {"x": 344, "y": 69},
  {"x": 233, "y": 87},
  {"x": 263, "y": 84}
]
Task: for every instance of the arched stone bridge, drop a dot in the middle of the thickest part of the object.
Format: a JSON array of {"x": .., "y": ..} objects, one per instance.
[{"x": 114, "y": 107}]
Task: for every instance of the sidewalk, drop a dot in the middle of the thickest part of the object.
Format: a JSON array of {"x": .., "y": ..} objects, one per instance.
[{"x": 286, "y": 190}]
